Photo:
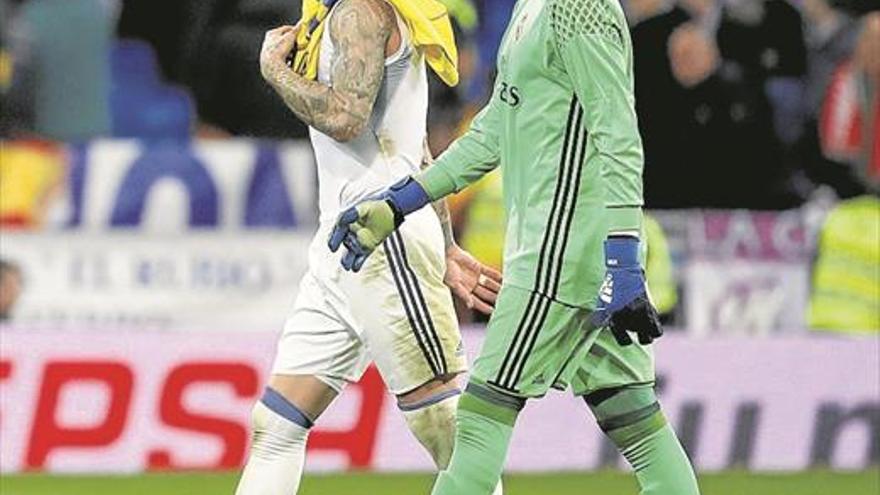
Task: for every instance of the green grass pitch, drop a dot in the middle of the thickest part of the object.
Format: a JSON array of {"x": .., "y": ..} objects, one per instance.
[{"x": 814, "y": 483}]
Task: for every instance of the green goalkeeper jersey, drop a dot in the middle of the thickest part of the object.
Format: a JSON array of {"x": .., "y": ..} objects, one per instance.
[{"x": 561, "y": 123}]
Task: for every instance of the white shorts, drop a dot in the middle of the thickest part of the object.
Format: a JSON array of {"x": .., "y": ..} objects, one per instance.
[{"x": 395, "y": 312}]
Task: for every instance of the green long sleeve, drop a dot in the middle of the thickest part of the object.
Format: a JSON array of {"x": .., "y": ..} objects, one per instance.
[
  {"x": 562, "y": 127},
  {"x": 468, "y": 158},
  {"x": 597, "y": 58}
]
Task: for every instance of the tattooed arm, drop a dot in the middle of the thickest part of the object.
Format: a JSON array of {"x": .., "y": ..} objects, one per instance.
[
  {"x": 440, "y": 205},
  {"x": 360, "y": 30}
]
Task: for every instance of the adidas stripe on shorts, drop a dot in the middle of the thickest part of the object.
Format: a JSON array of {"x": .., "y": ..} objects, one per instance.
[
  {"x": 396, "y": 312},
  {"x": 534, "y": 343}
]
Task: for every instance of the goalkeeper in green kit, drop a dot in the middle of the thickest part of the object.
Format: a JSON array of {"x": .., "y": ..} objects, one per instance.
[{"x": 562, "y": 126}]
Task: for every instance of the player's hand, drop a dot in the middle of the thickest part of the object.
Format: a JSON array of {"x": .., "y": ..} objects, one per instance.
[
  {"x": 362, "y": 228},
  {"x": 623, "y": 303},
  {"x": 365, "y": 226},
  {"x": 277, "y": 47},
  {"x": 471, "y": 281}
]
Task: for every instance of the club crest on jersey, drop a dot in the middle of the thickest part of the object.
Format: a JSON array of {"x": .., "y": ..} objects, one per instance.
[
  {"x": 529, "y": 16},
  {"x": 520, "y": 27},
  {"x": 526, "y": 20}
]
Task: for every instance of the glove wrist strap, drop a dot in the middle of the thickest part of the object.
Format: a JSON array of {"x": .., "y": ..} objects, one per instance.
[
  {"x": 622, "y": 252},
  {"x": 406, "y": 197},
  {"x": 399, "y": 216}
]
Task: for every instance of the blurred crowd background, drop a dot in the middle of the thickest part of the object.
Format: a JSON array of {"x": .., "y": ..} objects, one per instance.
[
  {"x": 157, "y": 201},
  {"x": 742, "y": 103},
  {"x": 761, "y": 105}
]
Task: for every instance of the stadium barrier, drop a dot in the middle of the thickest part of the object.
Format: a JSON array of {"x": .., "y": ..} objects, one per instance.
[
  {"x": 751, "y": 268},
  {"x": 81, "y": 400},
  {"x": 124, "y": 277},
  {"x": 164, "y": 186},
  {"x": 205, "y": 280}
]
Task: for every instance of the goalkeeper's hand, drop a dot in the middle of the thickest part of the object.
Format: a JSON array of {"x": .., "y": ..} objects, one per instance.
[
  {"x": 365, "y": 226},
  {"x": 362, "y": 228},
  {"x": 623, "y": 303}
]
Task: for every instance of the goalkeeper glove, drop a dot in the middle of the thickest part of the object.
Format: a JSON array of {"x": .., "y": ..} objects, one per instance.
[
  {"x": 363, "y": 227},
  {"x": 623, "y": 302}
]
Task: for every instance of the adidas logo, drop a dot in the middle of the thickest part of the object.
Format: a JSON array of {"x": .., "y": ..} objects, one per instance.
[{"x": 607, "y": 290}]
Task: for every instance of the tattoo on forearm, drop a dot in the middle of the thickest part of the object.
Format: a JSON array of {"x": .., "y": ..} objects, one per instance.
[
  {"x": 359, "y": 30},
  {"x": 442, "y": 210},
  {"x": 440, "y": 206}
]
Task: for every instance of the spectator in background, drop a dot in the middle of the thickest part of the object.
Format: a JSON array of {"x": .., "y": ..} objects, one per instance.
[
  {"x": 163, "y": 25},
  {"x": 479, "y": 219},
  {"x": 11, "y": 285},
  {"x": 61, "y": 79},
  {"x": 845, "y": 294},
  {"x": 867, "y": 60},
  {"x": 832, "y": 35},
  {"x": 765, "y": 39},
  {"x": 220, "y": 62},
  {"x": 660, "y": 102},
  {"x": 842, "y": 150},
  {"x": 839, "y": 146},
  {"x": 708, "y": 123},
  {"x": 728, "y": 139},
  {"x": 659, "y": 272}
]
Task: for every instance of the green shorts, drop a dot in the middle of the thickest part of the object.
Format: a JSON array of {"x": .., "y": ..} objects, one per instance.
[{"x": 534, "y": 343}]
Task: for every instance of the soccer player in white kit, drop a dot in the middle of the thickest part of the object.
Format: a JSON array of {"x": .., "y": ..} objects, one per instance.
[{"x": 367, "y": 112}]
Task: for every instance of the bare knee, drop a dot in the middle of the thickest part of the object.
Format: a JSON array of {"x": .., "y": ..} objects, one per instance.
[{"x": 430, "y": 414}]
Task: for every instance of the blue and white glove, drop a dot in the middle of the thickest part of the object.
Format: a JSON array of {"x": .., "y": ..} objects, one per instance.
[
  {"x": 623, "y": 303},
  {"x": 365, "y": 226}
]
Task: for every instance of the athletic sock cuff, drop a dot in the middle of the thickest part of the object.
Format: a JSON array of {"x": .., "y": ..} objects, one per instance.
[
  {"x": 495, "y": 405},
  {"x": 430, "y": 401},
  {"x": 629, "y": 418},
  {"x": 278, "y": 404},
  {"x": 627, "y": 436}
]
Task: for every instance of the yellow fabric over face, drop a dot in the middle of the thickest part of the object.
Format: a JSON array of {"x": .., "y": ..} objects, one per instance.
[{"x": 427, "y": 20}]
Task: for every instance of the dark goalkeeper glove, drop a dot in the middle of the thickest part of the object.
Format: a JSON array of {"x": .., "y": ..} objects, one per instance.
[
  {"x": 623, "y": 303},
  {"x": 365, "y": 226}
]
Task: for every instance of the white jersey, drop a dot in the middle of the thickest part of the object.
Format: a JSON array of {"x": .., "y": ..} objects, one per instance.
[
  {"x": 396, "y": 312},
  {"x": 390, "y": 146}
]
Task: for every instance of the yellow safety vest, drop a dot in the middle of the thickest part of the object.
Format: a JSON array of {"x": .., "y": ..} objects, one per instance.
[
  {"x": 658, "y": 267},
  {"x": 846, "y": 277},
  {"x": 485, "y": 225}
]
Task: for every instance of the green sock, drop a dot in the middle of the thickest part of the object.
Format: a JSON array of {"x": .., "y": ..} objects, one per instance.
[
  {"x": 661, "y": 465},
  {"x": 484, "y": 428},
  {"x": 633, "y": 420}
]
